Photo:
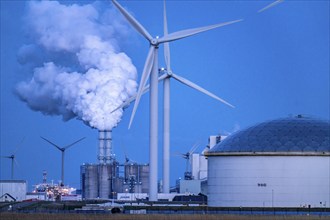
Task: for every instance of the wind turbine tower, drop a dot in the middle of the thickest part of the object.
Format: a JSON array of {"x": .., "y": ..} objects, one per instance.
[
  {"x": 12, "y": 157},
  {"x": 151, "y": 69}
]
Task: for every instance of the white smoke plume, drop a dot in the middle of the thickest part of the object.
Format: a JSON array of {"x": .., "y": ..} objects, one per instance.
[{"x": 82, "y": 74}]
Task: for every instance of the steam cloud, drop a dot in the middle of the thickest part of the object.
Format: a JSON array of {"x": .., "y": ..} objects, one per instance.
[{"x": 80, "y": 73}]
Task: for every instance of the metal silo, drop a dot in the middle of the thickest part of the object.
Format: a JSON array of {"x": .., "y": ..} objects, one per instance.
[
  {"x": 105, "y": 173},
  {"x": 89, "y": 179},
  {"x": 117, "y": 186},
  {"x": 144, "y": 178}
]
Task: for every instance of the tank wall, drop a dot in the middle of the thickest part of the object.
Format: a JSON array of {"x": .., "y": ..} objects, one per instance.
[
  {"x": 90, "y": 182},
  {"x": 105, "y": 172},
  {"x": 117, "y": 186},
  {"x": 144, "y": 178},
  {"x": 268, "y": 181}
]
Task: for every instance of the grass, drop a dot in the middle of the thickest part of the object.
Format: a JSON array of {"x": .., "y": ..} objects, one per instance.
[{"x": 45, "y": 216}]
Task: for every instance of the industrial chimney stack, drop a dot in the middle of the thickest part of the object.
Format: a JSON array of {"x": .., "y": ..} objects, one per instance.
[{"x": 105, "y": 148}]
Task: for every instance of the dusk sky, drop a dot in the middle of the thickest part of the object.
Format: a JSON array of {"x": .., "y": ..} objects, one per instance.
[{"x": 274, "y": 64}]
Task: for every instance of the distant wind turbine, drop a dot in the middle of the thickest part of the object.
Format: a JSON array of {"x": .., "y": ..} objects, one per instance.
[
  {"x": 187, "y": 157},
  {"x": 63, "y": 149},
  {"x": 151, "y": 69},
  {"x": 12, "y": 157}
]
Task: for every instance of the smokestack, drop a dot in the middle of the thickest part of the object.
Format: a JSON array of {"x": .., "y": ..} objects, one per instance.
[
  {"x": 105, "y": 147},
  {"x": 108, "y": 146},
  {"x": 101, "y": 157}
]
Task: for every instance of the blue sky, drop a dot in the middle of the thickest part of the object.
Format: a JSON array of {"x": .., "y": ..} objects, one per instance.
[{"x": 271, "y": 65}]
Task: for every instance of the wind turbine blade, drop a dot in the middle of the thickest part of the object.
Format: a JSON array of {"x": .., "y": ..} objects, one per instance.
[
  {"x": 132, "y": 98},
  {"x": 66, "y": 147},
  {"x": 16, "y": 163},
  {"x": 145, "y": 75},
  {"x": 133, "y": 21},
  {"x": 192, "y": 150},
  {"x": 270, "y": 5},
  {"x": 18, "y": 145},
  {"x": 162, "y": 77},
  {"x": 193, "y": 31},
  {"x": 165, "y": 20},
  {"x": 166, "y": 44},
  {"x": 176, "y": 154},
  {"x": 52, "y": 143},
  {"x": 198, "y": 88}
]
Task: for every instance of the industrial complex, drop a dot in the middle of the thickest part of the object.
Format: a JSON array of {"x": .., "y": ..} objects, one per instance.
[
  {"x": 275, "y": 165},
  {"x": 278, "y": 163}
]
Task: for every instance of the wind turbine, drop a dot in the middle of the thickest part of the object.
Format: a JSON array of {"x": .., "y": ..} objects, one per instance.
[
  {"x": 187, "y": 157},
  {"x": 12, "y": 157},
  {"x": 166, "y": 90},
  {"x": 63, "y": 149},
  {"x": 151, "y": 69},
  {"x": 166, "y": 101}
]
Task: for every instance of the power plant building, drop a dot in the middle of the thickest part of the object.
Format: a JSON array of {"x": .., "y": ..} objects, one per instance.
[
  {"x": 105, "y": 181},
  {"x": 278, "y": 163},
  {"x": 108, "y": 178}
]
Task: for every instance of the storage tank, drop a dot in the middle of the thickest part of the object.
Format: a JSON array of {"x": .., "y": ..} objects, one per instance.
[
  {"x": 117, "y": 186},
  {"x": 105, "y": 173},
  {"x": 144, "y": 177},
  {"x": 279, "y": 163},
  {"x": 89, "y": 181}
]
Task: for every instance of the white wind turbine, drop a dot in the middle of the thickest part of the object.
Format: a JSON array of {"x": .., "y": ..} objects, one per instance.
[
  {"x": 62, "y": 149},
  {"x": 151, "y": 69},
  {"x": 166, "y": 87}
]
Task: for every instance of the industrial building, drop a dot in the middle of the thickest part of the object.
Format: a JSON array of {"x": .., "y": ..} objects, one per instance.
[
  {"x": 105, "y": 181},
  {"x": 12, "y": 190},
  {"x": 195, "y": 178},
  {"x": 278, "y": 163},
  {"x": 198, "y": 160},
  {"x": 108, "y": 178}
]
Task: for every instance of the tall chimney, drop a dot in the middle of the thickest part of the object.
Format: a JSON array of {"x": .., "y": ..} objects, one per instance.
[
  {"x": 108, "y": 146},
  {"x": 44, "y": 176},
  {"x": 101, "y": 156}
]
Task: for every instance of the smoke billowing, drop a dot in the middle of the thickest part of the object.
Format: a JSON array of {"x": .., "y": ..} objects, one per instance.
[{"x": 78, "y": 71}]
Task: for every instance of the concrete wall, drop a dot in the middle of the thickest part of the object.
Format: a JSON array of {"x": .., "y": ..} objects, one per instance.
[
  {"x": 269, "y": 181},
  {"x": 190, "y": 187},
  {"x": 16, "y": 188}
]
